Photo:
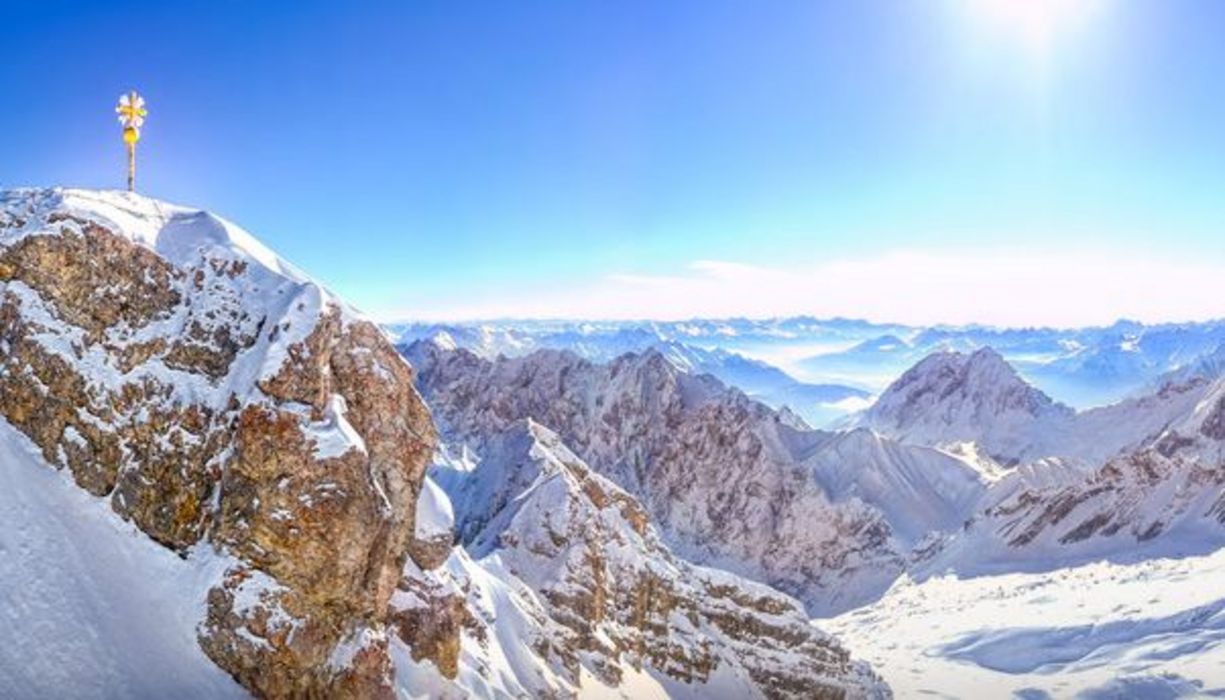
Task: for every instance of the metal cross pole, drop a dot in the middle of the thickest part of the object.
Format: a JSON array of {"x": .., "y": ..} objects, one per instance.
[
  {"x": 131, "y": 166},
  {"x": 132, "y": 113}
]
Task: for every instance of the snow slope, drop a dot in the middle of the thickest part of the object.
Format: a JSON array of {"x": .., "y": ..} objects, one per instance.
[
  {"x": 1150, "y": 630},
  {"x": 90, "y": 607},
  {"x": 919, "y": 490}
]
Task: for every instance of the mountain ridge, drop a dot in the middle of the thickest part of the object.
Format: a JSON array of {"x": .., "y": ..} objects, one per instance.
[
  {"x": 268, "y": 449},
  {"x": 726, "y": 477}
]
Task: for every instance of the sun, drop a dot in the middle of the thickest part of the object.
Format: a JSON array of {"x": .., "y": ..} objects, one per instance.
[{"x": 1037, "y": 24}]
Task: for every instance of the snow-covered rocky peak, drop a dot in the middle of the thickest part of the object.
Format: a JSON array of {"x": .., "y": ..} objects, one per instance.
[
  {"x": 982, "y": 379},
  {"x": 729, "y": 481},
  {"x": 588, "y": 596},
  {"x": 952, "y": 397},
  {"x": 180, "y": 235},
  {"x": 216, "y": 396}
]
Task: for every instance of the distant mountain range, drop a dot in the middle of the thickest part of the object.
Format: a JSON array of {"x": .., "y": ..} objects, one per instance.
[{"x": 825, "y": 369}]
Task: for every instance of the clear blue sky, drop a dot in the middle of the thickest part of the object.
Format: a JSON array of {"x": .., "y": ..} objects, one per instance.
[{"x": 423, "y": 157}]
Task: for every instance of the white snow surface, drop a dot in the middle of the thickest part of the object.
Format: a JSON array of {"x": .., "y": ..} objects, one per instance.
[
  {"x": 90, "y": 607},
  {"x": 919, "y": 490},
  {"x": 175, "y": 232},
  {"x": 435, "y": 517},
  {"x": 1154, "y": 629}
]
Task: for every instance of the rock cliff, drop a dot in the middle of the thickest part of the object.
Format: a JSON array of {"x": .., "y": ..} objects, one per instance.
[{"x": 218, "y": 398}]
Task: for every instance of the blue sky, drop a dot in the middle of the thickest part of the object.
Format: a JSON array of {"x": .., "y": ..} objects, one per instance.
[{"x": 567, "y": 158}]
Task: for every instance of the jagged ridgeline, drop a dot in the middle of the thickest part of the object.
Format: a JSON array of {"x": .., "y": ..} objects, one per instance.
[{"x": 239, "y": 415}]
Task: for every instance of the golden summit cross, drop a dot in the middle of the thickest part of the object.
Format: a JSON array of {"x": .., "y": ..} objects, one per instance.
[{"x": 132, "y": 113}]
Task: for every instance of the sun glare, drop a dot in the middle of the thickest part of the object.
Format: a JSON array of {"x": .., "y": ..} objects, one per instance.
[{"x": 1037, "y": 24}]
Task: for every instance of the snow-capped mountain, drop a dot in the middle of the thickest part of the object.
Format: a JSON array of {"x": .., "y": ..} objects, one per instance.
[
  {"x": 605, "y": 340},
  {"x": 952, "y": 397},
  {"x": 567, "y": 575},
  {"x": 1082, "y": 367},
  {"x": 723, "y": 475},
  {"x": 816, "y": 403},
  {"x": 731, "y": 483},
  {"x": 1164, "y": 498},
  {"x": 987, "y": 475},
  {"x": 1208, "y": 366},
  {"x": 713, "y": 467},
  {"x": 1101, "y": 482}
]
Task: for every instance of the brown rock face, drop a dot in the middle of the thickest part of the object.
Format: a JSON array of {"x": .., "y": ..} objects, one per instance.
[
  {"x": 430, "y": 553},
  {"x": 433, "y": 629},
  {"x": 210, "y": 396},
  {"x": 94, "y": 279}
]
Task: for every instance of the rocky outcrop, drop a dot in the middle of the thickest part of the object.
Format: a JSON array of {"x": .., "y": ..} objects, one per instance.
[
  {"x": 608, "y": 600},
  {"x": 214, "y": 394},
  {"x": 431, "y": 618},
  {"x": 719, "y": 473},
  {"x": 1135, "y": 498}
]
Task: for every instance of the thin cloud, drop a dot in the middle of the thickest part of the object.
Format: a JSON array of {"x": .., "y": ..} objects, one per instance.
[{"x": 1005, "y": 288}]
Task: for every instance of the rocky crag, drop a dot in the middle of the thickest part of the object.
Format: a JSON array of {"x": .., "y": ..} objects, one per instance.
[{"x": 220, "y": 401}]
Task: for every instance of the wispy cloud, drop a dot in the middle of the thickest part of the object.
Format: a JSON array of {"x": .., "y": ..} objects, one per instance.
[{"x": 1001, "y": 287}]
